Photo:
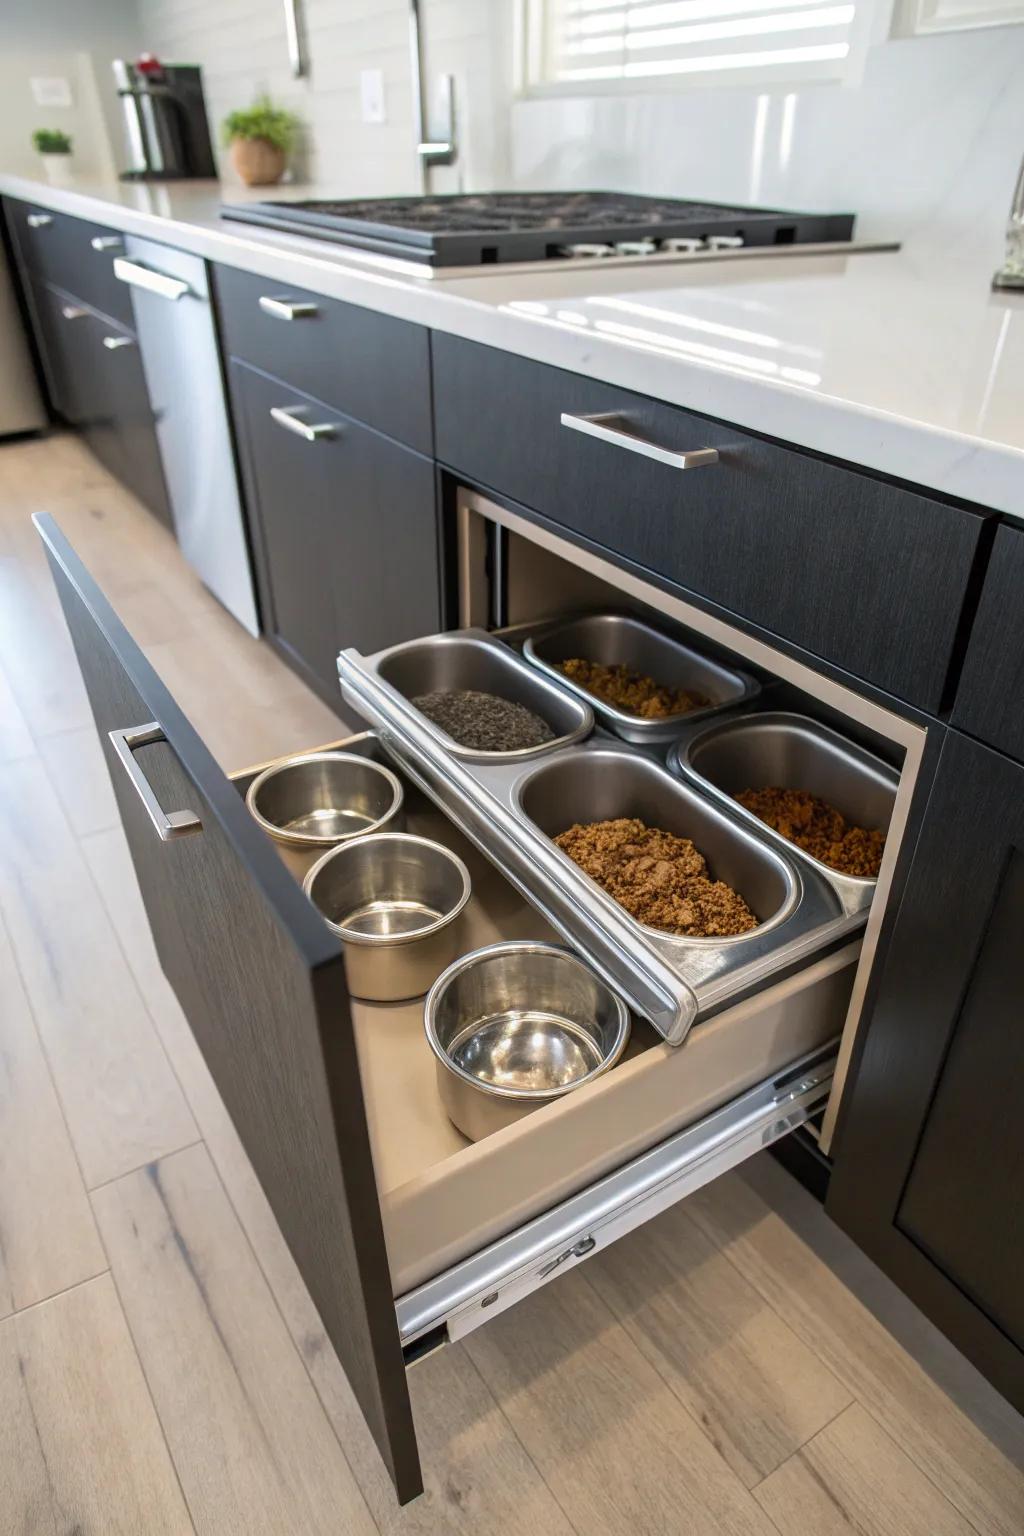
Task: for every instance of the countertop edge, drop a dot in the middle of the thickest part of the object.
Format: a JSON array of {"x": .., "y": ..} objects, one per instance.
[{"x": 951, "y": 464}]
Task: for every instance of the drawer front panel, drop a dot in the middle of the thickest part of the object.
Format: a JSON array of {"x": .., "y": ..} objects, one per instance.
[
  {"x": 61, "y": 249},
  {"x": 370, "y": 366},
  {"x": 990, "y": 699},
  {"x": 863, "y": 574}
]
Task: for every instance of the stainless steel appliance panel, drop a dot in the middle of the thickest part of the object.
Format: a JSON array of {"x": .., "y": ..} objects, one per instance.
[{"x": 174, "y": 319}]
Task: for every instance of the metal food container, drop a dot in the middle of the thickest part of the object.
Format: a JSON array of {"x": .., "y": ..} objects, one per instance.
[
  {"x": 473, "y": 659},
  {"x": 318, "y": 799},
  {"x": 514, "y": 1026},
  {"x": 793, "y": 752},
  {"x": 392, "y": 898},
  {"x": 605, "y": 785},
  {"x": 621, "y": 639}
]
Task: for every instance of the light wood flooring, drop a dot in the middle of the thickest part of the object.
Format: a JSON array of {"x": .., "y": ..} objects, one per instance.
[{"x": 735, "y": 1368}]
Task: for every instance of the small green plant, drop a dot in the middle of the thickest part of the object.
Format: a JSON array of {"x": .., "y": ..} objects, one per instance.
[
  {"x": 50, "y": 141},
  {"x": 262, "y": 121}
]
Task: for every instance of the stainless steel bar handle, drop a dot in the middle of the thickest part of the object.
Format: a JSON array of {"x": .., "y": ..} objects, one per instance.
[
  {"x": 115, "y": 343},
  {"x": 73, "y": 311},
  {"x": 294, "y": 39},
  {"x": 38, "y": 220},
  {"x": 287, "y": 309},
  {"x": 289, "y": 417},
  {"x": 611, "y": 428},
  {"x": 107, "y": 242},
  {"x": 125, "y": 741},
  {"x": 153, "y": 282}
]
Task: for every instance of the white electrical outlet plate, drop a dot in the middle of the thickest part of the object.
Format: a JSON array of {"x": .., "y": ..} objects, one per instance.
[
  {"x": 371, "y": 95},
  {"x": 51, "y": 91}
]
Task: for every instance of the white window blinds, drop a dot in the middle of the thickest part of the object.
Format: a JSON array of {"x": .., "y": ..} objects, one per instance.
[{"x": 571, "y": 42}]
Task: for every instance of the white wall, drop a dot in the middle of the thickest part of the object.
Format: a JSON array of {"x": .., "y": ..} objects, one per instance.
[
  {"x": 931, "y": 137},
  {"x": 72, "y": 38},
  {"x": 241, "y": 46}
]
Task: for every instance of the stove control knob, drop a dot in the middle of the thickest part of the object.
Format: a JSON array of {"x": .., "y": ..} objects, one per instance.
[
  {"x": 635, "y": 247},
  {"x": 683, "y": 245},
  {"x": 586, "y": 250},
  {"x": 724, "y": 242}
]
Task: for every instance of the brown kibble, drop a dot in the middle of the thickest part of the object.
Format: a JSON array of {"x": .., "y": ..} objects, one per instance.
[
  {"x": 662, "y": 880},
  {"x": 818, "y": 828},
  {"x": 633, "y": 692}
]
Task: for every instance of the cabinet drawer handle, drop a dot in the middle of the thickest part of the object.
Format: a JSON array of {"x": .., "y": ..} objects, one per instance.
[
  {"x": 38, "y": 220},
  {"x": 291, "y": 419},
  {"x": 73, "y": 311},
  {"x": 287, "y": 309},
  {"x": 115, "y": 343},
  {"x": 153, "y": 282},
  {"x": 124, "y": 741},
  {"x": 611, "y": 428},
  {"x": 107, "y": 243}
]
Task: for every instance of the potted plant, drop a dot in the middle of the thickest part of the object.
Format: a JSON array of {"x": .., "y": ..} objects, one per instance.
[
  {"x": 55, "y": 151},
  {"x": 259, "y": 138}
]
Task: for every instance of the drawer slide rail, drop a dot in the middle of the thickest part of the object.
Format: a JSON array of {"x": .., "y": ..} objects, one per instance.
[{"x": 478, "y": 1288}]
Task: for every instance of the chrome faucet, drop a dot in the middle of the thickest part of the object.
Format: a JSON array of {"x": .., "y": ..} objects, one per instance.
[{"x": 1011, "y": 273}]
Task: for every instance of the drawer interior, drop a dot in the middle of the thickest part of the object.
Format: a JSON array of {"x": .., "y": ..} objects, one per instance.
[{"x": 443, "y": 1197}]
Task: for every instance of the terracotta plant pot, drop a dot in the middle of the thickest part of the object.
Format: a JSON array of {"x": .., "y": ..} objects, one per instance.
[{"x": 257, "y": 162}]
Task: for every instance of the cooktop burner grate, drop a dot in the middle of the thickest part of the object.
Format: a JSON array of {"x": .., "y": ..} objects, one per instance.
[{"x": 473, "y": 229}]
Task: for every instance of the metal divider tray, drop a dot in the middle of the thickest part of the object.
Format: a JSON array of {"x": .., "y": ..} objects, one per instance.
[
  {"x": 751, "y": 748},
  {"x": 511, "y": 810}
]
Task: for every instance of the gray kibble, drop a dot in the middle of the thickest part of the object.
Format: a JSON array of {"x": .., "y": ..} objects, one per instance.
[{"x": 482, "y": 721}]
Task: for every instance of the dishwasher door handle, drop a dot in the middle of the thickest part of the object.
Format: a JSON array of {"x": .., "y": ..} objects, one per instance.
[
  {"x": 612, "y": 428},
  {"x": 290, "y": 418},
  {"x": 287, "y": 309},
  {"x": 124, "y": 742},
  {"x": 146, "y": 277}
]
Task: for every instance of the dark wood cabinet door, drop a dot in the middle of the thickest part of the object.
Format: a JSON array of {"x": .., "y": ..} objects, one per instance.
[
  {"x": 261, "y": 981},
  {"x": 345, "y": 528},
  {"x": 929, "y": 1161},
  {"x": 990, "y": 698}
]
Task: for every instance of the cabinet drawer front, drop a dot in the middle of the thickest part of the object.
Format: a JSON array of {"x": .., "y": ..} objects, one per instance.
[
  {"x": 990, "y": 699},
  {"x": 345, "y": 526},
  {"x": 864, "y": 574},
  {"x": 74, "y": 255},
  {"x": 368, "y": 365}
]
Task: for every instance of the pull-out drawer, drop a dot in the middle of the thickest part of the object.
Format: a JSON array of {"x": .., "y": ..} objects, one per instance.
[
  {"x": 72, "y": 254},
  {"x": 368, "y": 365},
  {"x": 865, "y": 574},
  {"x": 403, "y": 1231}
]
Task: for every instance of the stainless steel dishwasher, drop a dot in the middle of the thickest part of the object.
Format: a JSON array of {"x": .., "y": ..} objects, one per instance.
[{"x": 178, "y": 341}]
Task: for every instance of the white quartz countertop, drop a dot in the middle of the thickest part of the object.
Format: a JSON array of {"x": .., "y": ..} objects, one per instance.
[{"x": 902, "y": 362}]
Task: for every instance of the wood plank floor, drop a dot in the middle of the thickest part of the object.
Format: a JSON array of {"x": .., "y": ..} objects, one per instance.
[{"x": 735, "y": 1368}]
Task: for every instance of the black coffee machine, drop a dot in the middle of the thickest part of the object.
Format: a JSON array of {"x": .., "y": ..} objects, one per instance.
[{"x": 166, "y": 132}]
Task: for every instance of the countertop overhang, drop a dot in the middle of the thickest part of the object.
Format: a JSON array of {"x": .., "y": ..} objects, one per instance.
[{"x": 905, "y": 363}]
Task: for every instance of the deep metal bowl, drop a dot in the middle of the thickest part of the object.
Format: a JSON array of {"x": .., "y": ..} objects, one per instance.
[
  {"x": 392, "y": 899},
  {"x": 622, "y": 639},
  {"x": 516, "y": 1025},
  {"x": 322, "y": 798}
]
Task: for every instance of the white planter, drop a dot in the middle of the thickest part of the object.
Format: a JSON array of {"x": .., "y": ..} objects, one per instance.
[{"x": 57, "y": 168}]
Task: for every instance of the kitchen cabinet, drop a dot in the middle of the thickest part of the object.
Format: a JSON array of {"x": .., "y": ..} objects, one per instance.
[
  {"x": 405, "y": 1234},
  {"x": 368, "y": 365},
  {"x": 344, "y": 526},
  {"x": 817, "y": 554},
  {"x": 94, "y": 374},
  {"x": 930, "y": 1155},
  {"x": 990, "y": 699},
  {"x": 72, "y": 254}
]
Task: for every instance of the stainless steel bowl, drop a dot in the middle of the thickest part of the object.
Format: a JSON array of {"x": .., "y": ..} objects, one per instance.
[
  {"x": 514, "y": 1026},
  {"x": 322, "y": 798},
  {"x": 473, "y": 659},
  {"x": 621, "y": 639},
  {"x": 774, "y": 747},
  {"x": 392, "y": 899}
]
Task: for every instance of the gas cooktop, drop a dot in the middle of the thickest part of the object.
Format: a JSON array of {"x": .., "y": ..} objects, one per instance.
[{"x": 468, "y": 230}]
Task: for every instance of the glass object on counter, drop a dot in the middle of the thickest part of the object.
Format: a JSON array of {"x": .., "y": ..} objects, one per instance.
[{"x": 1011, "y": 273}]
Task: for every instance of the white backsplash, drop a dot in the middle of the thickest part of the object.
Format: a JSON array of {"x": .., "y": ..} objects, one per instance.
[
  {"x": 241, "y": 47},
  {"x": 930, "y": 139}
]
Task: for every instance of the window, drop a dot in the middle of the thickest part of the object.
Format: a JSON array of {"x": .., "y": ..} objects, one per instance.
[
  {"x": 918, "y": 18},
  {"x": 574, "y": 45}
]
